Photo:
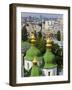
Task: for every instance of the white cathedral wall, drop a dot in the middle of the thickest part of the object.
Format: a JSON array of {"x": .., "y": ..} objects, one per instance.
[
  {"x": 39, "y": 62},
  {"x": 46, "y": 25},
  {"x": 28, "y": 64},
  {"x": 53, "y": 71}
]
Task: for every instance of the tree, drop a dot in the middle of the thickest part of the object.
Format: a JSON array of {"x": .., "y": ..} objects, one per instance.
[
  {"x": 40, "y": 24},
  {"x": 35, "y": 33},
  {"x": 24, "y": 33},
  {"x": 39, "y": 34},
  {"x": 25, "y": 73},
  {"x": 55, "y": 48},
  {"x": 59, "y": 55},
  {"x": 25, "y": 46},
  {"x": 58, "y": 36},
  {"x": 40, "y": 43}
]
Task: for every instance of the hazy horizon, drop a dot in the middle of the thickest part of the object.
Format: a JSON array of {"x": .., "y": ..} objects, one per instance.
[{"x": 47, "y": 15}]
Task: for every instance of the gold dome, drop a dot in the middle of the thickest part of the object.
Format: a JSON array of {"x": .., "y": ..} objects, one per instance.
[
  {"x": 34, "y": 61},
  {"x": 32, "y": 37},
  {"x": 49, "y": 42},
  {"x": 48, "y": 45}
]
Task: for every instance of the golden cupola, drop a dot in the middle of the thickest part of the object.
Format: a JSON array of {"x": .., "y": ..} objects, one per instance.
[
  {"x": 34, "y": 61},
  {"x": 49, "y": 42},
  {"x": 33, "y": 39}
]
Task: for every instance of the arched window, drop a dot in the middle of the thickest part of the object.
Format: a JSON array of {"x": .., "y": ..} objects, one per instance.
[
  {"x": 48, "y": 73},
  {"x": 28, "y": 65},
  {"x": 53, "y": 72}
]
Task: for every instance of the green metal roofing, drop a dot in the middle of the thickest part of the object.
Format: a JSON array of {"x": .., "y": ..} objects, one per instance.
[
  {"x": 47, "y": 66},
  {"x": 48, "y": 56},
  {"x": 35, "y": 71},
  {"x": 49, "y": 59},
  {"x": 25, "y": 46},
  {"x": 32, "y": 52}
]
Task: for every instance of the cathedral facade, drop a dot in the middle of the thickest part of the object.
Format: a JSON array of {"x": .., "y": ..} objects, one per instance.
[{"x": 33, "y": 60}]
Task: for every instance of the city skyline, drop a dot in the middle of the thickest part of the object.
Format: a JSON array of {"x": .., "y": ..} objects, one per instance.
[{"x": 43, "y": 15}]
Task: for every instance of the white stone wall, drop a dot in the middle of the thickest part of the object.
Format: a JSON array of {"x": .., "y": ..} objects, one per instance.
[
  {"x": 53, "y": 71},
  {"x": 28, "y": 64},
  {"x": 46, "y": 25},
  {"x": 39, "y": 62}
]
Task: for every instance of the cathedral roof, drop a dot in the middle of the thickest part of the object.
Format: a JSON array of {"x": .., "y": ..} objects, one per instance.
[
  {"x": 35, "y": 71},
  {"x": 32, "y": 52},
  {"x": 47, "y": 66},
  {"x": 49, "y": 57}
]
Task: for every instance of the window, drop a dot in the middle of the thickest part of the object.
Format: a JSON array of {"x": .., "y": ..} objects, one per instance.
[
  {"x": 23, "y": 59},
  {"x": 28, "y": 65},
  {"x": 48, "y": 73},
  {"x": 53, "y": 72}
]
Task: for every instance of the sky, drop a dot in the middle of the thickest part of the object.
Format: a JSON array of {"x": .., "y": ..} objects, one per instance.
[{"x": 27, "y": 14}]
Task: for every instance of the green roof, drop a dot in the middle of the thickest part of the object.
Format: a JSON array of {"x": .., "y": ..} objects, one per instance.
[
  {"x": 32, "y": 52},
  {"x": 49, "y": 57},
  {"x": 47, "y": 66},
  {"x": 35, "y": 71},
  {"x": 25, "y": 46}
]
